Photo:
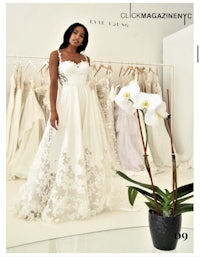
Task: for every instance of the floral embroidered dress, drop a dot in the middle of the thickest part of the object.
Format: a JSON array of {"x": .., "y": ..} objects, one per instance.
[{"x": 70, "y": 176}]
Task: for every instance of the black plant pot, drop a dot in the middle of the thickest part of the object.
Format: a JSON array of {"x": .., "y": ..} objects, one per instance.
[{"x": 164, "y": 231}]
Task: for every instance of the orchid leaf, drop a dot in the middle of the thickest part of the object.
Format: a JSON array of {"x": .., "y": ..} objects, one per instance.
[
  {"x": 181, "y": 208},
  {"x": 157, "y": 189},
  {"x": 183, "y": 199},
  {"x": 145, "y": 193},
  {"x": 184, "y": 190},
  {"x": 132, "y": 193}
]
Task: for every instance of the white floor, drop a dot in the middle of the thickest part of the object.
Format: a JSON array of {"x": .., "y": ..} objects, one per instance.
[
  {"x": 124, "y": 240},
  {"x": 22, "y": 235}
]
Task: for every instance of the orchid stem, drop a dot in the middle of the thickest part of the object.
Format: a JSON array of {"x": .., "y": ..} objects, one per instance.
[
  {"x": 147, "y": 165},
  {"x": 174, "y": 175}
]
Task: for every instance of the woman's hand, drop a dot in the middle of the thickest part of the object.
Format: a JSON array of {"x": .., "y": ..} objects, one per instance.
[{"x": 54, "y": 119}]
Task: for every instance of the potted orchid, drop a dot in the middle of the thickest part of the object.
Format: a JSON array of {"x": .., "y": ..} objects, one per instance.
[{"x": 164, "y": 206}]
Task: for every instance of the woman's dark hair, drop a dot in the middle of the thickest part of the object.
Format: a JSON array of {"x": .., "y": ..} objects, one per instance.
[{"x": 67, "y": 36}]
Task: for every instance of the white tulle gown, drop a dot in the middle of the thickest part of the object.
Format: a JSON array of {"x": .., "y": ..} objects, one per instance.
[{"x": 70, "y": 176}]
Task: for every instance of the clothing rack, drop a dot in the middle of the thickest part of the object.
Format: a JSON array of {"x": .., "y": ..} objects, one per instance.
[
  {"x": 171, "y": 66},
  {"x": 26, "y": 57},
  {"x": 97, "y": 61},
  {"x": 107, "y": 62},
  {"x": 131, "y": 63},
  {"x": 160, "y": 65}
]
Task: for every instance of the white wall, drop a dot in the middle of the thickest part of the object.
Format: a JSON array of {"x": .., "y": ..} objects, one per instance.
[
  {"x": 37, "y": 29},
  {"x": 178, "y": 49}
]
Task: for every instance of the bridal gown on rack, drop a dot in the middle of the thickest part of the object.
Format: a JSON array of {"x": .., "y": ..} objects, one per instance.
[
  {"x": 13, "y": 119},
  {"x": 104, "y": 87},
  {"x": 42, "y": 90},
  {"x": 30, "y": 132},
  {"x": 159, "y": 140},
  {"x": 11, "y": 107},
  {"x": 129, "y": 144},
  {"x": 70, "y": 175}
]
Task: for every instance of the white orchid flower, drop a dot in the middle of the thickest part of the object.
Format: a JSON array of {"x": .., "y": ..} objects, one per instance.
[
  {"x": 126, "y": 96},
  {"x": 134, "y": 90},
  {"x": 145, "y": 101},
  {"x": 153, "y": 116}
]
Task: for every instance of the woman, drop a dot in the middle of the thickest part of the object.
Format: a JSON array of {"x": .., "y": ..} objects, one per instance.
[{"x": 70, "y": 175}]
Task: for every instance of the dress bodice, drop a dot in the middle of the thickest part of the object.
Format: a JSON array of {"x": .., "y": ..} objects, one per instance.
[{"x": 71, "y": 73}]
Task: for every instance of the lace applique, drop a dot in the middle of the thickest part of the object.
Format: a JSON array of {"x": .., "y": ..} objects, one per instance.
[
  {"x": 76, "y": 189},
  {"x": 62, "y": 78}
]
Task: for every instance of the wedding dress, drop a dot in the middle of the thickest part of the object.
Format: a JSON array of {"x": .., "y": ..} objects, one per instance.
[
  {"x": 30, "y": 132},
  {"x": 70, "y": 176},
  {"x": 104, "y": 87},
  {"x": 42, "y": 90},
  {"x": 14, "y": 110},
  {"x": 159, "y": 139},
  {"x": 11, "y": 107},
  {"x": 129, "y": 144}
]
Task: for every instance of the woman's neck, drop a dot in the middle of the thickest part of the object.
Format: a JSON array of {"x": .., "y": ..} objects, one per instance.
[{"x": 70, "y": 49}]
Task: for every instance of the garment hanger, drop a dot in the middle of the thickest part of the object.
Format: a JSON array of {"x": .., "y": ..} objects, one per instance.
[
  {"x": 100, "y": 66},
  {"x": 127, "y": 69},
  {"x": 151, "y": 70},
  {"x": 44, "y": 66},
  {"x": 109, "y": 69},
  {"x": 29, "y": 63},
  {"x": 131, "y": 70},
  {"x": 94, "y": 67},
  {"x": 121, "y": 69}
]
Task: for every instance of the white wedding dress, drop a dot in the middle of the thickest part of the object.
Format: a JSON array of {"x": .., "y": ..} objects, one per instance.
[
  {"x": 31, "y": 128},
  {"x": 70, "y": 176},
  {"x": 14, "y": 110}
]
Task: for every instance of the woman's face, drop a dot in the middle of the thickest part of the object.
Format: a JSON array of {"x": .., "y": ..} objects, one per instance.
[{"x": 77, "y": 36}]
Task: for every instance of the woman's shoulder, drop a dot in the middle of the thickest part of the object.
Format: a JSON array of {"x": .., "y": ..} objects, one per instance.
[{"x": 54, "y": 55}]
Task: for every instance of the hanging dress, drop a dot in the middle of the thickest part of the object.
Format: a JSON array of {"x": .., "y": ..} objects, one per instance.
[
  {"x": 10, "y": 106},
  {"x": 129, "y": 144},
  {"x": 14, "y": 121},
  {"x": 31, "y": 128},
  {"x": 159, "y": 139},
  {"x": 103, "y": 87},
  {"x": 70, "y": 175},
  {"x": 42, "y": 90}
]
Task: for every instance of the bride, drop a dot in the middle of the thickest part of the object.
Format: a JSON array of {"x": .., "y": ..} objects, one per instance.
[{"x": 70, "y": 175}]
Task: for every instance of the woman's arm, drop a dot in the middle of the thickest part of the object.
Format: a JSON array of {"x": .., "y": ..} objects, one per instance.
[{"x": 53, "y": 72}]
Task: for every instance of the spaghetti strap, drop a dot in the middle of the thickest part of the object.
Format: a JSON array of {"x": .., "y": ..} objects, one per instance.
[
  {"x": 86, "y": 58},
  {"x": 59, "y": 55}
]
